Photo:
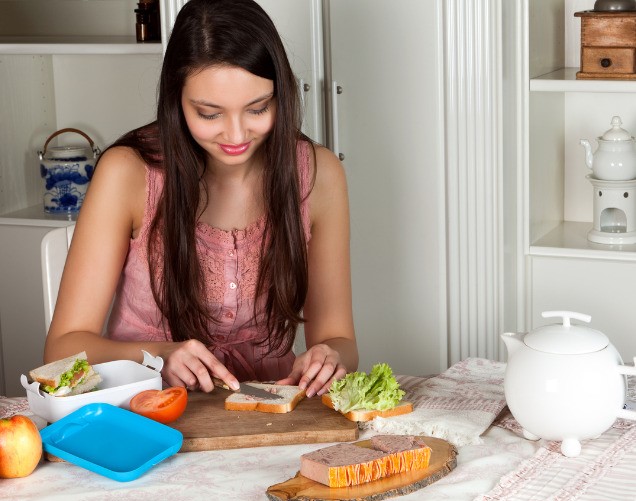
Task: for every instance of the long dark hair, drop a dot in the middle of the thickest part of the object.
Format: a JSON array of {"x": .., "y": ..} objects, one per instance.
[{"x": 235, "y": 33}]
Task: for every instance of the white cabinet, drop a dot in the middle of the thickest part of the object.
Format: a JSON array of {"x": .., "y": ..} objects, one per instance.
[
  {"x": 600, "y": 288},
  {"x": 62, "y": 64},
  {"x": 300, "y": 24},
  {"x": 22, "y": 321},
  {"x": 565, "y": 270},
  {"x": 101, "y": 85}
]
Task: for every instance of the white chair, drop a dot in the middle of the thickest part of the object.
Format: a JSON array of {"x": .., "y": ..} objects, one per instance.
[{"x": 54, "y": 249}]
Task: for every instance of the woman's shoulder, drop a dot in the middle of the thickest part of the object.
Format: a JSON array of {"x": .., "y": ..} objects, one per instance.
[
  {"x": 330, "y": 182},
  {"x": 318, "y": 160},
  {"x": 122, "y": 166},
  {"x": 122, "y": 160},
  {"x": 120, "y": 178},
  {"x": 327, "y": 167}
]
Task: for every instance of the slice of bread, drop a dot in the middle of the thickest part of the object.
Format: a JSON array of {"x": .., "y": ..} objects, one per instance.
[
  {"x": 50, "y": 374},
  {"x": 368, "y": 415},
  {"x": 241, "y": 402}
]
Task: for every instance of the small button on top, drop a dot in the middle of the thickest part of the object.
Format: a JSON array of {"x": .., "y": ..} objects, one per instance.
[
  {"x": 232, "y": 285},
  {"x": 229, "y": 314}
]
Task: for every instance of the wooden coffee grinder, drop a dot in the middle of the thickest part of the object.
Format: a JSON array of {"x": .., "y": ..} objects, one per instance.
[{"x": 608, "y": 44}]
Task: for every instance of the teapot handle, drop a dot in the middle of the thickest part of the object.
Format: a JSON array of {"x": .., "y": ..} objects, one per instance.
[
  {"x": 628, "y": 370},
  {"x": 69, "y": 129},
  {"x": 567, "y": 315}
]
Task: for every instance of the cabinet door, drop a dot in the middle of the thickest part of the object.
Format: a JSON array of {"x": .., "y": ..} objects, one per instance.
[
  {"x": 603, "y": 289},
  {"x": 300, "y": 27},
  {"x": 387, "y": 58},
  {"x": 22, "y": 320}
]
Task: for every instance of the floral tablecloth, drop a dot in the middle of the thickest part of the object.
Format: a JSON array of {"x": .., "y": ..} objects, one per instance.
[{"x": 605, "y": 470}]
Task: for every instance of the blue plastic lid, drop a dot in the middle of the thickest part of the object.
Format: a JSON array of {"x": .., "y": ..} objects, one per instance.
[{"x": 111, "y": 441}]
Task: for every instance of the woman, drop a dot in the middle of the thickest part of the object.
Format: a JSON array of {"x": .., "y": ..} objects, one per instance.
[{"x": 219, "y": 228}]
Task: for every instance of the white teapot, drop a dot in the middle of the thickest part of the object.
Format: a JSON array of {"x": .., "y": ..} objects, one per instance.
[
  {"x": 615, "y": 157},
  {"x": 565, "y": 382}
]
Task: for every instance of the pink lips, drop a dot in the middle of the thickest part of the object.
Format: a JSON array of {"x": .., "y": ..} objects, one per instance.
[{"x": 234, "y": 149}]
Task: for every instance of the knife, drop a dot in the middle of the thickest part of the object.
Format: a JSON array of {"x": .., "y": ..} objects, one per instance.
[{"x": 247, "y": 389}]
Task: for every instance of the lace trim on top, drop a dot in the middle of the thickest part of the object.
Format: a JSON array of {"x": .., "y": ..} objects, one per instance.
[{"x": 230, "y": 256}]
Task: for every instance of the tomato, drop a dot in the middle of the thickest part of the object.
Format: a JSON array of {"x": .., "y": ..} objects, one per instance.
[{"x": 161, "y": 405}]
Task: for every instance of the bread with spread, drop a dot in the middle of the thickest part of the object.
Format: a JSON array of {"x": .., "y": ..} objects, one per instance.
[
  {"x": 291, "y": 396},
  {"x": 362, "y": 397},
  {"x": 362, "y": 415}
]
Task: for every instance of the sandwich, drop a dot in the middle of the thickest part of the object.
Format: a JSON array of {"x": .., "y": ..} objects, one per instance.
[
  {"x": 70, "y": 376},
  {"x": 242, "y": 402}
]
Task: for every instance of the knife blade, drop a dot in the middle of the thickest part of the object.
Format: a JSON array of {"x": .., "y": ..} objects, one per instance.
[{"x": 248, "y": 389}]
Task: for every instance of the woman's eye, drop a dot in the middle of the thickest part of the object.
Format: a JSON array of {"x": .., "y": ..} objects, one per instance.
[
  {"x": 260, "y": 111},
  {"x": 208, "y": 117}
]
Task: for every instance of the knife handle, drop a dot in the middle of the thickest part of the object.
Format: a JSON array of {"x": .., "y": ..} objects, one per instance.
[{"x": 219, "y": 383}]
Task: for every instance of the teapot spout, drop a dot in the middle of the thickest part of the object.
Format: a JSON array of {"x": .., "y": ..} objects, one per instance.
[
  {"x": 513, "y": 342},
  {"x": 588, "y": 152}
]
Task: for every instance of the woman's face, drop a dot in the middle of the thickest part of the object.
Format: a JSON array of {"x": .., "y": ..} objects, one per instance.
[{"x": 229, "y": 111}]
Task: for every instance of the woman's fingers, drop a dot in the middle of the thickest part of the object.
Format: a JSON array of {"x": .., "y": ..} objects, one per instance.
[
  {"x": 315, "y": 370},
  {"x": 192, "y": 365}
]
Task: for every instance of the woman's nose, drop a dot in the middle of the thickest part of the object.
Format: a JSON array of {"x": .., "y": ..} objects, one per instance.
[{"x": 235, "y": 130}]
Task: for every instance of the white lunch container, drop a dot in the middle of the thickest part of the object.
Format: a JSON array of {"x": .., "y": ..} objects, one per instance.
[{"x": 121, "y": 380}]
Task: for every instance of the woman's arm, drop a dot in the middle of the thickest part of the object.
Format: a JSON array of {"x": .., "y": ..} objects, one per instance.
[
  {"x": 329, "y": 332},
  {"x": 111, "y": 215}
]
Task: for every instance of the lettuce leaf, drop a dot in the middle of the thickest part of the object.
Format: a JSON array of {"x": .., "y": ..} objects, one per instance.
[
  {"x": 379, "y": 390},
  {"x": 65, "y": 379}
]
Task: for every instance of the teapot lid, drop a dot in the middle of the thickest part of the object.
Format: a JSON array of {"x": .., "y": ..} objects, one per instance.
[
  {"x": 616, "y": 133},
  {"x": 65, "y": 152},
  {"x": 566, "y": 339}
]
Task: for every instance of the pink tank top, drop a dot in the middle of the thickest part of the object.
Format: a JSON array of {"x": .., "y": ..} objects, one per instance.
[{"x": 230, "y": 261}]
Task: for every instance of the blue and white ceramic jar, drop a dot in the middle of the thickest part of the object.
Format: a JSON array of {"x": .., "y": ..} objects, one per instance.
[{"x": 67, "y": 171}]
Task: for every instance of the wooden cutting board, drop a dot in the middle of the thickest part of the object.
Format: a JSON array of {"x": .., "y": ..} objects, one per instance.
[
  {"x": 443, "y": 461},
  {"x": 206, "y": 425}
]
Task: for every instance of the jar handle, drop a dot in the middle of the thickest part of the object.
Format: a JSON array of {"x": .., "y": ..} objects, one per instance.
[{"x": 96, "y": 150}]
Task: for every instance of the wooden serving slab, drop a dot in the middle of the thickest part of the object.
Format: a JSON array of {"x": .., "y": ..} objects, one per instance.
[
  {"x": 443, "y": 461},
  {"x": 206, "y": 425}
]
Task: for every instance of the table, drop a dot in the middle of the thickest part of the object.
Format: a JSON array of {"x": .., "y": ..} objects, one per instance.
[
  {"x": 504, "y": 466},
  {"x": 245, "y": 474}
]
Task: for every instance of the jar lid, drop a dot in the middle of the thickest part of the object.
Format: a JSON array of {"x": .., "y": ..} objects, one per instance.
[
  {"x": 565, "y": 338},
  {"x": 64, "y": 152},
  {"x": 614, "y": 5},
  {"x": 616, "y": 133}
]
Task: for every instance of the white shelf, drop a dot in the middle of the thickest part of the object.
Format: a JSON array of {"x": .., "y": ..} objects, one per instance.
[
  {"x": 77, "y": 45},
  {"x": 564, "y": 80},
  {"x": 35, "y": 216},
  {"x": 569, "y": 239}
]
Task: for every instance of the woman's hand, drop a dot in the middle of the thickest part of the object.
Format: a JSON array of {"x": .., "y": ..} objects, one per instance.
[
  {"x": 315, "y": 370},
  {"x": 191, "y": 364}
]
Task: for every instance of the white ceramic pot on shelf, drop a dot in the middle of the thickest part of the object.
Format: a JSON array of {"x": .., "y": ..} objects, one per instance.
[
  {"x": 565, "y": 382},
  {"x": 615, "y": 157}
]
